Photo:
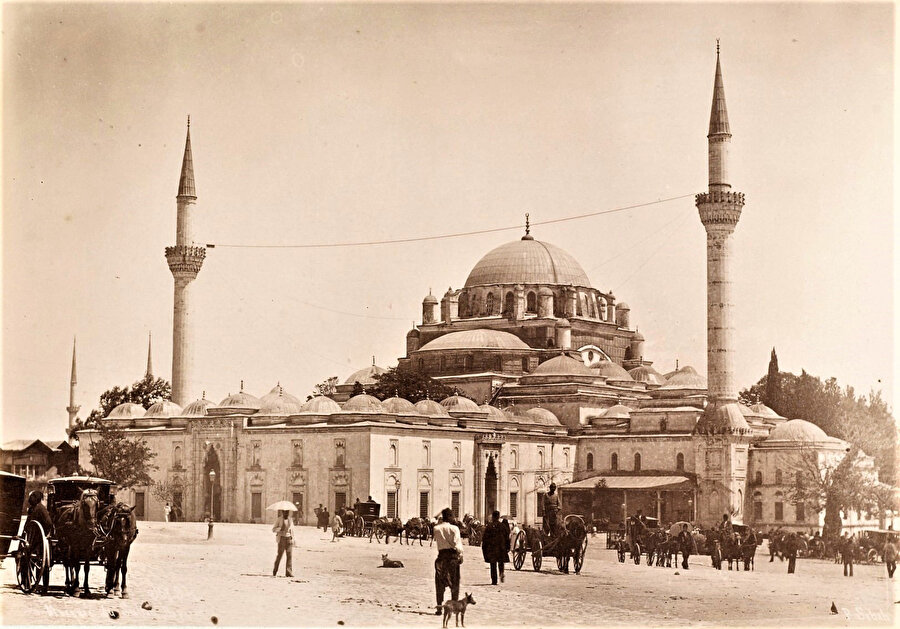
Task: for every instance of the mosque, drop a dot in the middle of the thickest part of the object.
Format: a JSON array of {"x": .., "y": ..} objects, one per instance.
[{"x": 553, "y": 386}]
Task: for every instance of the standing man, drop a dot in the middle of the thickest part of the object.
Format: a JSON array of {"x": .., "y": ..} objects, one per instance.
[
  {"x": 284, "y": 538},
  {"x": 889, "y": 553},
  {"x": 168, "y": 511},
  {"x": 848, "y": 548},
  {"x": 791, "y": 545},
  {"x": 686, "y": 542},
  {"x": 325, "y": 519},
  {"x": 495, "y": 546},
  {"x": 551, "y": 511},
  {"x": 449, "y": 557}
]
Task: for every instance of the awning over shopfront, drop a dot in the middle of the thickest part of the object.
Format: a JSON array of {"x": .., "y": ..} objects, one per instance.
[{"x": 667, "y": 483}]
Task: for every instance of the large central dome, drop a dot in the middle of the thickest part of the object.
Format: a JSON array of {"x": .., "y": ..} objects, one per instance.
[{"x": 527, "y": 261}]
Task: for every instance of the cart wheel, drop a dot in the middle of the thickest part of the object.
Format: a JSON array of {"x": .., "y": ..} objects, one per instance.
[
  {"x": 537, "y": 552},
  {"x": 519, "y": 550},
  {"x": 872, "y": 556},
  {"x": 637, "y": 554},
  {"x": 33, "y": 557},
  {"x": 579, "y": 556}
]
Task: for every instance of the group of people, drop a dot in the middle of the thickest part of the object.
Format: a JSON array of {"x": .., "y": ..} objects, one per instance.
[{"x": 849, "y": 546}]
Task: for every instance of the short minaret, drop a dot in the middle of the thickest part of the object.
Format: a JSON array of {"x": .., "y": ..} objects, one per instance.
[
  {"x": 722, "y": 451},
  {"x": 72, "y": 408},
  {"x": 149, "y": 373},
  {"x": 185, "y": 260}
]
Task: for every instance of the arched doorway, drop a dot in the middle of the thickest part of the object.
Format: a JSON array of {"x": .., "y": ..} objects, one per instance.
[
  {"x": 490, "y": 489},
  {"x": 212, "y": 487}
]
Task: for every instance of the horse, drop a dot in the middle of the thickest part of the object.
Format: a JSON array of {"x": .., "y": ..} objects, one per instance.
[
  {"x": 77, "y": 535},
  {"x": 387, "y": 527},
  {"x": 121, "y": 525},
  {"x": 416, "y": 528},
  {"x": 471, "y": 528},
  {"x": 571, "y": 541}
]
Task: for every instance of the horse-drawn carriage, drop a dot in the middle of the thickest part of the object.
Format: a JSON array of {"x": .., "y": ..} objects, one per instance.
[
  {"x": 471, "y": 529},
  {"x": 89, "y": 528},
  {"x": 12, "y": 497},
  {"x": 570, "y": 542}
]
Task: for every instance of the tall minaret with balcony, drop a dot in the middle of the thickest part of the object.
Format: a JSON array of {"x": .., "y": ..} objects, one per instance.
[
  {"x": 185, "y": 260},
  {"x": 72, "y": 408},
  {"x": 722, "y": 455}
]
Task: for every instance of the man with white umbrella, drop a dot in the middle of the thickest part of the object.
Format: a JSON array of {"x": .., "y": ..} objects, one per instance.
[{"x": 284, "y": 536}]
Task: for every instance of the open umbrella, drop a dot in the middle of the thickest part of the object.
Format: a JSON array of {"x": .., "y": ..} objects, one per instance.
[
  {"x": 675, "y": 529},
  {"x": 282, "y": 505}
]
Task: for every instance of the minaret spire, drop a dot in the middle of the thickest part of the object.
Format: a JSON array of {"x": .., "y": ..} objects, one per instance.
[
  {"x": 149, "y": 373},
  {"x": 186, "y": 182},
  {"x": 72, "y": 408}
]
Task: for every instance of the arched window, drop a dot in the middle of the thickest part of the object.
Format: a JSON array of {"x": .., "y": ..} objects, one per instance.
[
  {"x": 392, "y": 455},
  {"x": 779, "y": 504},
  {"x": 757, "y": 506},
  {"x": 758, "y": 478},
  {"x": 524, "y": 364},
  {"x": 456, "y": 456},
  {"x": 531, "y": 302},
  {"x": 462, "y": 305},
  {"x": 509, "y": 304},
  {"x": 590, "y": 461},
  {"x": 489, "y": 304},
  {"x": 778, "y": 478},
  {"x": 679, "y": 462},
  {"x": 469, "y": 361},
  {"x": 514, "y": 455},
  {"x": 566, "y": 459},
  {"x": 614, "y": 462},
  {"x": 540, "y": 459},
  {"x": 579, "y": 305},
  {"x": 593, "y": 307},
  {"x": 176, "y": 458},
  {"x": 637, "y": 461}
]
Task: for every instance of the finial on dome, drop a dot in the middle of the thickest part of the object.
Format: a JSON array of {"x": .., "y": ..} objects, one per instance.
[
  {"x": 527, "y": 235},
  {"x": 189, "y": 115},
  {"x": 717, "y": 51},
  {"x": 242, "y": 386},
  {"x": 204, "y": 395},
  {"x": 373, "y": 360}
]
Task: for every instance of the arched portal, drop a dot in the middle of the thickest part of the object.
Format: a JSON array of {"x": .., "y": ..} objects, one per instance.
[
  {"x": 490, "y": 489},
  {"x": 212, "y": 486}
]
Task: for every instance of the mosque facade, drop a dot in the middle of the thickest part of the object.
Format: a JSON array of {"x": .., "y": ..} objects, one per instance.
[{"x": 553, "y": 386}]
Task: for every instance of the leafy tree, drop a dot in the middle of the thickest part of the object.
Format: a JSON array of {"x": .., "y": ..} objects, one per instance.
[
  {"x": 411, "y": 385},
  {"x": 358, "y": 389},
  {"x": 146, "y": 392},
  {"x": 165, "y": 491},
  {"x": 326, "y": 388},
  {"x": 123, "y": 460}
]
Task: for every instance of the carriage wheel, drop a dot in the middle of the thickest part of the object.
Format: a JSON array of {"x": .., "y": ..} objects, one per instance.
[
  {"x": 637, "y": 553},
  {"x": 872, "y": 556},
  {"x": 519, "y": 550},
  {"x": 33, "y": 558},
  {"x": 537, "y": 553},
  {"x": 579, "y": 555}
]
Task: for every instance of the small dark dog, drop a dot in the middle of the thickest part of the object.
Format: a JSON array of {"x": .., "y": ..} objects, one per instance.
[
  {"x": 458, "y": 608},
  {"x": 390, "y": 563}
]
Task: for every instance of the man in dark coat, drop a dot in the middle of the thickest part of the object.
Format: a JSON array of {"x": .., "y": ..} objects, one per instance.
[
  {"x": 38, "y": 512},
  {"x": 552, "y": 506},
  {"x": 848, "y": 548},
  {"x": 791, "y": 546},
  {"x": 495, "y": 546},
  {"x": 686, "y": 543}
]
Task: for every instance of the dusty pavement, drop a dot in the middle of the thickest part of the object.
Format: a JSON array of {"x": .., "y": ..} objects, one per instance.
[{"x": 188, "y": 581}]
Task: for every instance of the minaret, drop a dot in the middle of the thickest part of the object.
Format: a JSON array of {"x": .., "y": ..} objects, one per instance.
[
  {"x": 722, "y": 452},
  {"x": 149, "y": 373},
  {"x": 185, "y": 260},
  {"x": 72, "y": 408}
]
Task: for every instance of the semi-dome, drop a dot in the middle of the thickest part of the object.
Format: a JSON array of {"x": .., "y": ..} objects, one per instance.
[
  {"x": 527, "y": 262},
  {"x": 562, "y": 365},
  {"x": 430, "y": 407},
  {"x": 126, "y": 410},
  {"x": 164, "y": 408},
  {"x": 722, "y": 419},
  {"x": 197, "y": 408},
  {"x": 363, "y": 403},
  {"x": 685, "y": 378},
  {"x": 542, "y": 416},
  {"x": 475, "y": 339},
  {"x": 611, "y": 371},
  {"x": 240, "y": 400},
  {"x": 799, "y": 431},
  {"x": 459, "y": 403},
  {"x": 619, "y": 411},
  {"x": 365, "y": 376},
  {"x": 321, "y": 405},
  {"x": 647, "y": 375},
  {"x": 399, "y": 405}
]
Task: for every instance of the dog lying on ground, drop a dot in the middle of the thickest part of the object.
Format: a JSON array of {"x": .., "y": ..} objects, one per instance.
[
  {"x": 458, "y": 608},
  {"x": 390, "y": 563}
]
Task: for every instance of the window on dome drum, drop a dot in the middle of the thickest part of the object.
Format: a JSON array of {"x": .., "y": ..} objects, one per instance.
[
  {"x": 423, "y": 504},
  {"x": 255, "y": 505},
  {"x": 637, "y": 461},
  {"x": 590, "y": 461},
  {"x": 593, "y": 308},
  {"x": 758, "y": 478},
  {"x": 513, "y": 504},
  {"x": 800, "y": 510},
  {"x": 509, "y": 304},
  {"x": 531, "y": 302},
  {"x": 469, "y": 362},
  {"x": 489, "y": 304},
  {"x": 454, "y": 502},
  {"x": 679, "y": 462},
  {"x": 614, "y": 462},
  {"x": 579, "y": 305},
  {"x": 391, "y": 508},
  {"x": 778, "y": 477},
  {"x": 524, "y": 365}
]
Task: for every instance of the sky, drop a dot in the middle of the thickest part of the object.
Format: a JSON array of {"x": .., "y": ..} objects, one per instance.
[{"x": 342, "y": 123}]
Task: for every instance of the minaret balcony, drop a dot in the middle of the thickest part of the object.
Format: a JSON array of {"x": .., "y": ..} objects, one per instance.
[{"x": 185, "y": 260}]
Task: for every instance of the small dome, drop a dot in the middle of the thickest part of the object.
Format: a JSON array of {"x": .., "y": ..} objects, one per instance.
[
  {"x": 638, "y": 337},
  {"x": 647, "y": 375},
  {"x": 622, "y": 306},
  {"x": 197, "y": 408},
  {"x": 430, "y": 299},
  {"x": 276, "y": 392},
  {"x": 164, "y": 408},
  {"x": 365, "y": 376},
  {"x": 563, "y": 323},
  {"x": 475, "y": 339},
  {"x": 527, "y": 262},
  {"x": 562, "y": 365},
  {"x": 542, "y": 416},
  {"x": 126, "y": 410},
  {"x": 412, "y": 333},
  {"x": 399, "y": 405},
  {"x": 611, "y": 371},
  {"x": 685, "y": 378},
  {"x": 279, "y": 405},
  {"x": 321, "y": 405},
  {"x": 459, "y": 403},
  {"x": 619, "y": 411},
  {"x": 430, "y": 407},
  {"x": 494, "y": 413},
  {"x": 724, "y": 419},
  {"x": 800, "y": 431},
  {"x": 240, "y": 400},
  {"x": 363, "y": 403}
]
